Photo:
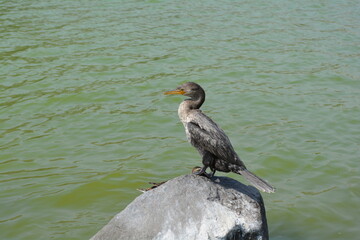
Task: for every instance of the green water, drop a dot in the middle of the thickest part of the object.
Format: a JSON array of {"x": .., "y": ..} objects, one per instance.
[{"x": 83, "y": 121}]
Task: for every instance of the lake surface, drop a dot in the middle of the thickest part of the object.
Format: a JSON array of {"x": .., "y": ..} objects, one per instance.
[{"x": 84, "y": 122}]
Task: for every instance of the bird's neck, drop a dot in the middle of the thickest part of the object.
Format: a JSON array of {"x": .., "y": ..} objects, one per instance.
[
  {"x": 194, "y": 103},
  {"x": 187, "y": 105}
]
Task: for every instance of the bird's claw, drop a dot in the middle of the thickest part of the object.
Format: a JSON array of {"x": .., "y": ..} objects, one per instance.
[{"x": 202, "y": 172}]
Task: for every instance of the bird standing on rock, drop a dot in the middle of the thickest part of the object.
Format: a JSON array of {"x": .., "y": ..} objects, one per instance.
[{"x": 209, "y": 139}]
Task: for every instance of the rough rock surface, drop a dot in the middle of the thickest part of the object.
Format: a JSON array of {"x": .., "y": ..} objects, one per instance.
[{"x": 191, "y": 207}]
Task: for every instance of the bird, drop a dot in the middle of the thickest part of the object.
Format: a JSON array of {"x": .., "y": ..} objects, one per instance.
[{"x": 209, "y": 139}]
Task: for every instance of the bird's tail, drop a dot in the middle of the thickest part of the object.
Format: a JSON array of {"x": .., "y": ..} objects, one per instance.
[{"x": 256, "y": 181}]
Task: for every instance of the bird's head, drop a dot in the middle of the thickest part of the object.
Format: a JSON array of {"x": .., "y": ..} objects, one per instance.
[{"x": 189, "y": 89}]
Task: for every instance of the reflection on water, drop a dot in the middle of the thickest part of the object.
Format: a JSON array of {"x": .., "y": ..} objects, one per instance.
[{"x": 84, "y": 122}]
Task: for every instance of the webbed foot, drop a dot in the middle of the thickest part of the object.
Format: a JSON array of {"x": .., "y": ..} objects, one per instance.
[{"x": 201, "y": 171}]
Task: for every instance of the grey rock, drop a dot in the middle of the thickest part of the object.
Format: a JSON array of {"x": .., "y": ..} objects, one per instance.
[{"x": 192, "y": 207}]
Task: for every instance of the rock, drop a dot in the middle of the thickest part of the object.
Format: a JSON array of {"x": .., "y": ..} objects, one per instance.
[{"x": 192, "y": 207}]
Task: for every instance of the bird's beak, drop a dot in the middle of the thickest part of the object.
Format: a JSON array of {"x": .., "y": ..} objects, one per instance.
[{"x": 176, "y": 91}]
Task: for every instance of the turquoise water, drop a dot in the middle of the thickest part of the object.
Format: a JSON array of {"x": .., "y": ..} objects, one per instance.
[{"x": 84, "y": 123}]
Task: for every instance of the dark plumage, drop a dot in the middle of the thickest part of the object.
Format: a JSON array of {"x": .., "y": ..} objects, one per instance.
[{"x": 210, "y": 140}]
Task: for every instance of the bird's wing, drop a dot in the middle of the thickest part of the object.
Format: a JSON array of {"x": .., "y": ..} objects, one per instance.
[{"x": 205, "y": 133}]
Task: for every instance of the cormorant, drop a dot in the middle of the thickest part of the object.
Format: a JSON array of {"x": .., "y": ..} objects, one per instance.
[{"x": 209, "y": 139}]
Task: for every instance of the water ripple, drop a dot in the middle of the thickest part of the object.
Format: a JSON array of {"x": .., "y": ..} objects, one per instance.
[{"x": 83, "y": 118}]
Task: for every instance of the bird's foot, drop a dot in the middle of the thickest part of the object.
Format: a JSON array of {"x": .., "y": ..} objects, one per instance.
[{"x": 201, "y": 171}]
